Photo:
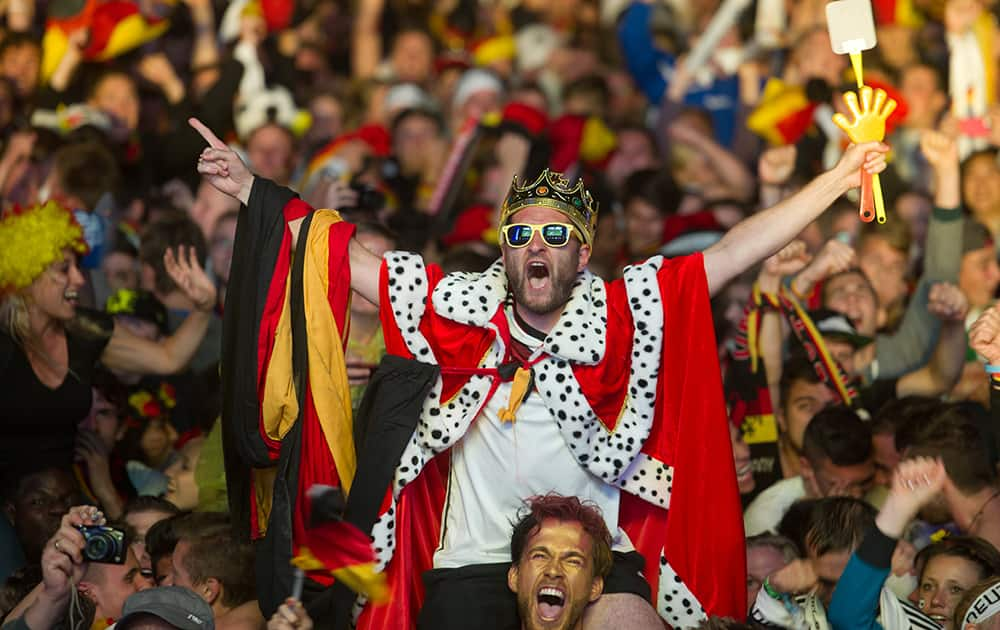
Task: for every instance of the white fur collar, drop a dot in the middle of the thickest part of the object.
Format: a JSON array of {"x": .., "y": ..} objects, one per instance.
[{"x": 578, "y": 336}]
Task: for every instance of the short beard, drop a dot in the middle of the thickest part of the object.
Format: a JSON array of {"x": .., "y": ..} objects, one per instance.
[{"x": 561, "y": 290}]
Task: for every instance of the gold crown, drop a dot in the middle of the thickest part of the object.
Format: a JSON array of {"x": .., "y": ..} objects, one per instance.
[{"x": 552, "y": 190}]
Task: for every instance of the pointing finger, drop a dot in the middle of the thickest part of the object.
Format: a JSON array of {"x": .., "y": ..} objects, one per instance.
[{"x": 206, "y": 133}]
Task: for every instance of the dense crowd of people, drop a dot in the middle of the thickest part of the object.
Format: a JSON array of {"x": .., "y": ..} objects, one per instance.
[{"x": 521, "y": 393}]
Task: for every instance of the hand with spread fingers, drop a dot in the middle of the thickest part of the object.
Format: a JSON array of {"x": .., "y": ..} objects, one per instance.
[
  {"x": 187, "y": 272},
  {"x": 867, "y": 125},
  {"x": 222, "y": 166},
  {"x": 915, "y": 483},
  {"x": 868, "y": 119}
]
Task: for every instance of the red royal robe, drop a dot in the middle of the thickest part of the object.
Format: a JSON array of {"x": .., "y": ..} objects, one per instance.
[{"x": 636, "y": 362}]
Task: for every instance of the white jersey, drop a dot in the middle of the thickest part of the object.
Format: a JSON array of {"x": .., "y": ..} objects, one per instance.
[{"x": 497, "y": 465}]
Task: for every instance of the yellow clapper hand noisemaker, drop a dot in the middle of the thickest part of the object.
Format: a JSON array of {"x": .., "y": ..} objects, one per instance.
[
  {"x": 867, "y": 124},
  {"x": 852, "y": 30}
]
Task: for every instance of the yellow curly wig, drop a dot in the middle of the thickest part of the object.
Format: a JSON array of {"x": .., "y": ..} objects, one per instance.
[{"x": 34, "y": 238}]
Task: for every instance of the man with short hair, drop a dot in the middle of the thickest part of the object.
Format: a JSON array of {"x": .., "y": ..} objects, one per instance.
[
  {"x": 855, "y": 353},
  {"x": 560, "y": 557},
  {"x": 883, "y": 253},
  {"x": 836, "y": 460},
  {"x": 220, "y": 569},
  {"x": 33, "y": 503},
  {"x": 970, "y": 495},
  {"x": 141, "y": 514},
  {"x": 897, "y": 417},
  {"x": 803, "y": 395},
  {"x": 838, "y": 524},
  {"x": 108, "y": 585}
]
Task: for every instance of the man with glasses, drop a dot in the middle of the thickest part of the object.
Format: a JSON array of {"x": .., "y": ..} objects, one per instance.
[{"x": 548, "y": 380}]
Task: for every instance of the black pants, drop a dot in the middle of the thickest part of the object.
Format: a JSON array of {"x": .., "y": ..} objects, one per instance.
[{"x": 477, "y": 596}]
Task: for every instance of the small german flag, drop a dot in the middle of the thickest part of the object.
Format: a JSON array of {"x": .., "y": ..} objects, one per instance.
[
  {"x": 339, "y": 548},
  {"x": 115, "y": 27}
]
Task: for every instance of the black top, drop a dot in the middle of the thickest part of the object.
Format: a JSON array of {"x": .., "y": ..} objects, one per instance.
[{"x": 38, "y": 424}]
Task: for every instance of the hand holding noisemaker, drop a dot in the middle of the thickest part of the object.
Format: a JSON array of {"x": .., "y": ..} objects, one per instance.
[{"x": 867, "y": 125}]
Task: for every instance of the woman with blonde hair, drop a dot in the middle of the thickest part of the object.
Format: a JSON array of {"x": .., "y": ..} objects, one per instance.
[{"x": 49, "y": 347}]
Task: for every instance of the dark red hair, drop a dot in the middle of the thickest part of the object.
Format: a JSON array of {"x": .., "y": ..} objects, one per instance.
[{"x": 566, "y": 510}]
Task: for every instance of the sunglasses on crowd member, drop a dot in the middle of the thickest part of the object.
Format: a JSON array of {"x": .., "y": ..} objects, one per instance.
[{"x": 553, "y": 234}]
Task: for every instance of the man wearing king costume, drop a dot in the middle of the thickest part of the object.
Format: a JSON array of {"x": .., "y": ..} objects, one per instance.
[{"x": 547, "y": 379}]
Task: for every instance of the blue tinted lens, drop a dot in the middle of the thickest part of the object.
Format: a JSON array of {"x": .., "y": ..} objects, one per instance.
[
  {"x": 555, "y": 235},
  {"x": 518, "y": 234}
]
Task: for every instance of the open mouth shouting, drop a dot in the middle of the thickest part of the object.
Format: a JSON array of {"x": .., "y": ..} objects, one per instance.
[
  {"x": 551, "y": 602},
  {"x": 744, "y": 471},
  {"x": 537, "y": 273},
  {"x": 71, "y": 296}
]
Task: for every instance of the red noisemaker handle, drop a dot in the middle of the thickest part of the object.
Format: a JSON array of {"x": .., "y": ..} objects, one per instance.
[{"x": 867, "y": 209}]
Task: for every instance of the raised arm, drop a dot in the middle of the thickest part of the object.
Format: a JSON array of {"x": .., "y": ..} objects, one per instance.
[
  {"x": 855, "y": 601},
  {"x": 130, "y": 353},
  {"x": 943, "y": 251},
  {"x": 947, "y": 303},
  {"x": 227, "y": 173},
  {"x": 763, "y": 234}
]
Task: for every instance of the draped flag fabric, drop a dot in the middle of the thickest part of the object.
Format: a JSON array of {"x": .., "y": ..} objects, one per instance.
[{"x": 286, "y": 408}]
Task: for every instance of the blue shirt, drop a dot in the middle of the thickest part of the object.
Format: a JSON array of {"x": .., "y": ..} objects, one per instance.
[{"x": 652, "y": 69}]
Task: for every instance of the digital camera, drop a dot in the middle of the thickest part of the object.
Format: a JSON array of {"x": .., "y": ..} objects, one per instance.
[
  {"x": 370, "y": 199},
  {"x": 103, "y": 544}
]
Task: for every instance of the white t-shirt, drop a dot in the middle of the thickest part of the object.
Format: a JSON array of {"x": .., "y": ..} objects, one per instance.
[
  {"x": 496, "y": 466},
  {"x": 770, "y": 506}
]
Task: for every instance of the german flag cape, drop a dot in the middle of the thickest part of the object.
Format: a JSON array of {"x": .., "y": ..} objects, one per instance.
[{"x": 286, "y": 408}]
